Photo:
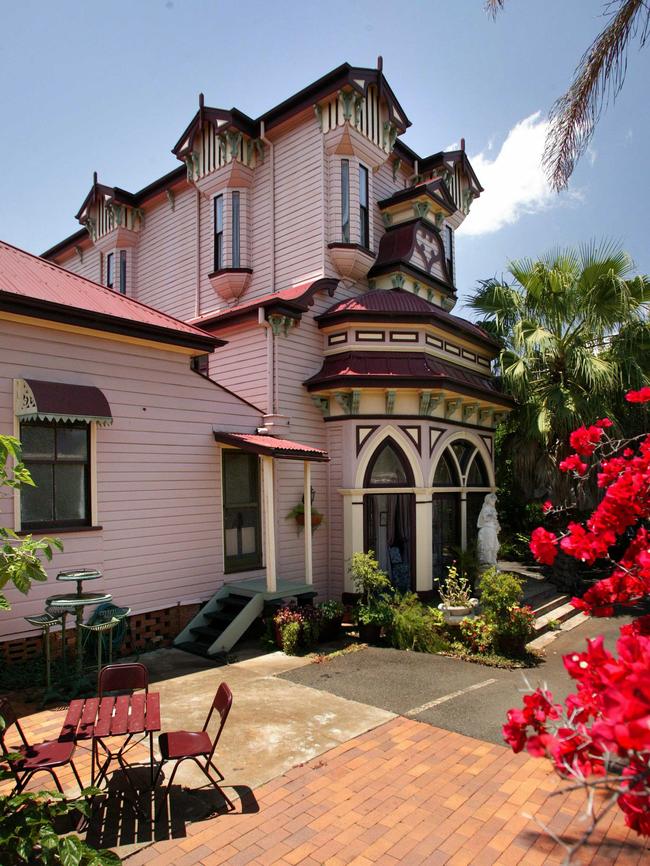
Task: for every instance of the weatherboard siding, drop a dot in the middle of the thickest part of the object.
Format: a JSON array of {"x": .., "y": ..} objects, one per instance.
[
  {"x": 241, "y": 365},
  {"x": 158, "y": 468}
]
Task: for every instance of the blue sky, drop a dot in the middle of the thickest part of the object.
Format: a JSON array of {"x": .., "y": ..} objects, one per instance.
[{"x": 110, "y": 87}]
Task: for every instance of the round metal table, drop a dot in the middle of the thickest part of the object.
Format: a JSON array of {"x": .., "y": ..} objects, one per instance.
[{"x": 78, "y": 601}]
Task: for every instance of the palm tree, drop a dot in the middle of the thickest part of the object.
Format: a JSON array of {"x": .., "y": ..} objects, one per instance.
[
  {"x": 599, "y": 75},
  {"x": 575, "y": 333}
]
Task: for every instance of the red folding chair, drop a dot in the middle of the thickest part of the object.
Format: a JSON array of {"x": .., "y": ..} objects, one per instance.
[
  {"x": 32, "y": 758},
  {"x": 197, "y": 746},
  {"x": 121, "y": 679}
]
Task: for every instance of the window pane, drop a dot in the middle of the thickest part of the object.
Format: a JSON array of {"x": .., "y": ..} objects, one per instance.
[
  {"x": 363, "y": 186},
  {"x": 38, "y": 442},
  {"x": 109, "y": 270},
  {"x": 478, "y": 476},
  {"x": 345, "y": 201},
  {"x": 123, "y": 272},
  {"x": 241, "y": 531},
  {"x": 36, "y": 502},
  {"x": 388, "y": 469},
  {"x": 235, "y": 229},
  {"x": 445, "y": 474},
  {"x": 72, "y": 443},
  {"x": 463, "y": 451},
  {"x": 70, "y": 491},
  {"x": 218, "y": 213},
  {"x": 240, "y": 479}
]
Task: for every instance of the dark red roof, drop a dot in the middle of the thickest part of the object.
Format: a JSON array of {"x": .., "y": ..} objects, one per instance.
[
  {"x": 37, "y": 287},
  {"x": 398, "y": 305},
  {"x": 293, "y": 301},
  {"x": 381, "y": 369},
  {"x": 271, "y": 446}
]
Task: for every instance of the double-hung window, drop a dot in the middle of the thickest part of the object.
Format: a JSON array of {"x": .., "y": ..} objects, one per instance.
[
  {"x": 57, "y": 454},
  {"x": 241, "y": 511},
  {"x": 449, "y": 250},
  {"x": 110, "y": 270},
  {"x": 123, "y": 272},
  {"x": 345, "y": 201},
  {"x": 364, "y": 221},
  {"x": 218, "y": 233},
  {"x": 235, "y": 207}
]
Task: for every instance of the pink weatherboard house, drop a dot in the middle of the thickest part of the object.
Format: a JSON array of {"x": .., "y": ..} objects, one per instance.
[{"x": 307, "y": 257}]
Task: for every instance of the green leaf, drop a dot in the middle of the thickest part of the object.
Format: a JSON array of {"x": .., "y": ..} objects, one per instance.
[{"x": 71, "y": 850}]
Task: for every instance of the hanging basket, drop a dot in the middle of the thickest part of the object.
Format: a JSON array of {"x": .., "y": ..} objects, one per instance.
[{"x": 316, "y": 519}]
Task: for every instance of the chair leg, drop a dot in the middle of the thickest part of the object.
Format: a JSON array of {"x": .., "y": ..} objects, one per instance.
[
  {"x": 167, "y": 787},
  {"x": 204, "y": 768},
  {"x": 56, "y": 781},
  {"x": 76, "y": 775}
]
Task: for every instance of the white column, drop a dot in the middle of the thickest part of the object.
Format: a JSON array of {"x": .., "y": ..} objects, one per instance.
[
  {"x": 423, "y": 542},
  {"x": 309, "y": 575},
  {"x": 269, "y": 523},
  {"x": 352, "y": 532}
]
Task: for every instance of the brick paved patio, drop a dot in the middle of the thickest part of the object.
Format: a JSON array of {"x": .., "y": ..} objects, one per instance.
[{"x": 405, "y": 792}]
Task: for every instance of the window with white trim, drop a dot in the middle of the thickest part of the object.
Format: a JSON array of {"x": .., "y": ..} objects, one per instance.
[
  {"x": 218, "y": 233},
  {"x": 242, "y": 510},
  {"x": 364, "y": 213}
]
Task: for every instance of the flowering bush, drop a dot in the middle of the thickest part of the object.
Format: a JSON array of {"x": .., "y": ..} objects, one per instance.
[
  {"x": 456, "y": 591},
  {"x": 515, "y": 629},
  {"x": 298, "y": 628},
  {"x": 477, "y": 634},
  {"x": 600, "y": 736}
]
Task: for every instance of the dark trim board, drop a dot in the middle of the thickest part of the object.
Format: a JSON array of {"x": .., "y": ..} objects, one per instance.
[{"x": 422, "y": 418}]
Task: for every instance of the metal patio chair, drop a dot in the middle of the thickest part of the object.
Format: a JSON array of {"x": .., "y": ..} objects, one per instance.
[
  {"x": 28, "y": 759},
  {"x": 197, "y": 746}
]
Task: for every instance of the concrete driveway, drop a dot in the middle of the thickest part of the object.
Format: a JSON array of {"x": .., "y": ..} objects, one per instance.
[{"x": 458, "y": 696}]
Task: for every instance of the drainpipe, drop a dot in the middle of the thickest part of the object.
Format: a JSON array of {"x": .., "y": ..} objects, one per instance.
[
  {"x": 271, "y": 401},
  {"x": 197, "y": 296},
  {"x": 416, "y": 171}
]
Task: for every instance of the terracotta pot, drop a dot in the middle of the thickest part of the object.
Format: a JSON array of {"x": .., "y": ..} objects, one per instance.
[
  {"x": 316, "y": 520},
  {"x": 369, "y": 632}
]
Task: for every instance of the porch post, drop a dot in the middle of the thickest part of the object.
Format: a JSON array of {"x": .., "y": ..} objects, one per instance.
[
  {"x": 269, "y": 522},
  {"x": 309, "y": 576}
]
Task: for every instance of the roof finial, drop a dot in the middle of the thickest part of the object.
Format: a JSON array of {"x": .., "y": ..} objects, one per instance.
[
  {"x": 201, "y": 98},
  {"x": 462, "y": 144},
  {"x": 94, "y": 178},
  {"x": 380, "y": 63}
]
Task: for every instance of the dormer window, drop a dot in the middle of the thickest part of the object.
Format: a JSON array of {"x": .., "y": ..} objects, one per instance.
[
  {"x": 235, "y": 204},
  {"x": 110, "y": 270},
  {"x": 364, "y": 221},
  {"x": 218, "y": 233},
  {"x": 345, "y": 201}
]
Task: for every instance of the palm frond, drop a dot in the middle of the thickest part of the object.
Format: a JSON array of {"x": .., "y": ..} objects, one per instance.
[{"x": 600, "y": 73}]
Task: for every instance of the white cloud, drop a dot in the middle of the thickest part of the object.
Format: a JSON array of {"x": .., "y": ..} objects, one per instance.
[{"x": 514, "y": 181}]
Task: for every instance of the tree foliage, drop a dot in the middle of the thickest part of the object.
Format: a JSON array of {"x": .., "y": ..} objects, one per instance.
[{"x": 574, "y": 330}]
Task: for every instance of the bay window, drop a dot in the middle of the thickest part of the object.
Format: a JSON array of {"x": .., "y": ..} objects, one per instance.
[
  {"x": 345, "y": 201},
  {"x": 218, "y": 233},
  {"x": 110, "y": 271},
  {"x": 364, "y": 221}
]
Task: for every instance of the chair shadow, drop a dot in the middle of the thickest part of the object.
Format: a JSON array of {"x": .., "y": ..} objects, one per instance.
[{"x": 118, "y": 817}]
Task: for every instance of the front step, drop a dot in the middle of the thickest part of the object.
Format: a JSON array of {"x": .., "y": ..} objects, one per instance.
[
  {"x": 557, "y": 614},
  {"x": 231, "y": 612}
]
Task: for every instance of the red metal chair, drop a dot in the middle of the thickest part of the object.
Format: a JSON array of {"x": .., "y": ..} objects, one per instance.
[
  {"x": 182, "y": 746},
  {"x": 123, "y": 678},
  {"x": 33, "y": 758}
]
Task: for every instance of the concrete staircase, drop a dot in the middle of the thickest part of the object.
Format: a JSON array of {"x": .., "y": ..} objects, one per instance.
[
  {"x": 554, "y": 613},
  {"x": 232, "y": 611}
]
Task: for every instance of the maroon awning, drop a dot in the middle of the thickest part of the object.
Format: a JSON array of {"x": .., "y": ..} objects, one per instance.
[
  {"x": 59, "y": 401},
  {"x": 271, "y": 446}
]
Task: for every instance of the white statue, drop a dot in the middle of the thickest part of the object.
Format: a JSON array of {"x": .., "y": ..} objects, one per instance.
[{"x": 488, "y": 532}]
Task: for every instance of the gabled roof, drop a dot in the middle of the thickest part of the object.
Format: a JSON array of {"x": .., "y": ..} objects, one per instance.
[
  {"x": 113, "y": 193},
  {"x": 220, "y": 118},
  {"x": 293, "y": 301},
  {"x": 433, "y": 189},
  {"x": 379, "y": 369},
  {"x": 32, "y": 286},
  {"x": 400, "y": 306}
]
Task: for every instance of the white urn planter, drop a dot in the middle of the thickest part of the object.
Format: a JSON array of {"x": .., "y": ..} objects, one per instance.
[{"x": 454, "y": 614}]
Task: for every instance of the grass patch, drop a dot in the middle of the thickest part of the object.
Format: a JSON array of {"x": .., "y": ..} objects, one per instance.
[{"x": 530, "y": 659}]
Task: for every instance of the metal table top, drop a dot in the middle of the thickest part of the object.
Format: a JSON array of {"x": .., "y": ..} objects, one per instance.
[
  {"x": 79, "y": 574},
  {"x": 79, "y": 600}
]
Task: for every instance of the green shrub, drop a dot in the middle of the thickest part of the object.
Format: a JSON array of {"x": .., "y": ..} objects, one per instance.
[
  {"x": 416, "y": 626},
  {"x": 291, "y": 637},
  {"x": 477, "y": 634},
  {"x": 500, "y": 591}
]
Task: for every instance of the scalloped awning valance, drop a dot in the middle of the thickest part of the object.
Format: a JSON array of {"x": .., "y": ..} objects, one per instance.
[{"x": 59, "y": 401}]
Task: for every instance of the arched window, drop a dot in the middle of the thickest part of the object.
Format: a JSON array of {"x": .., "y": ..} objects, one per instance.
[
  {"x": 446, "y": 474},
  {"x": 389, "y": 468}
]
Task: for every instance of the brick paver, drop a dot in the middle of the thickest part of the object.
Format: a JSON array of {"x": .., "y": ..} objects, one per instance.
[{"x": 403, "y": 793}]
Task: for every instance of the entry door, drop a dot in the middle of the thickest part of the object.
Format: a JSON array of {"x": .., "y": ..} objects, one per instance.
[
  {"x": 445, "y": 531},
  {"x": 389, "y": 532}
]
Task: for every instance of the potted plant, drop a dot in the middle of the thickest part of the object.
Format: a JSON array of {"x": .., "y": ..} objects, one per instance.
[
  {"x": 456, "y": 595},
  {"x": 298, "y": 514},
  {"x": 373, "y": 610},
  {"x": 331, "y": 617}
]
